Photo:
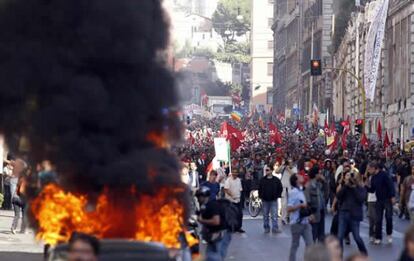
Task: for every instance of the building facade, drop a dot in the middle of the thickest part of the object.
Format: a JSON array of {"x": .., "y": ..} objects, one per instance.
[
  {"x": 398, "y": 69},
  {"x": 286, "y": 56},
  {"x": 393, "y": 103},
  {"x": 349, "y": 57},
  {"x": 302, "y": 31},
  {"x": 261, "y": 82}
]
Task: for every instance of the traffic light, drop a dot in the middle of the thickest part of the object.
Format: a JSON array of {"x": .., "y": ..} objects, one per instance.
[
  {"x": 316, "y": 67},
  {"x": 188, "y": 120},
  {"x": 359, "y": 123}
]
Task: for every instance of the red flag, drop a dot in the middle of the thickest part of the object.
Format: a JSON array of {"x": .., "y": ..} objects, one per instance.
[
  {"x": 232, "y": 134},
  {"x": 333, "y": 128},
  {"x": 343, "y": 140},
  {"x": 326, "y": 127},
  {"x": 386, "y": 140},
  {"x": 379, "y": 130},
  {"x": 364, "y": 141},
  {"x": 299, "y": 126},
  {"x": 274, "y": 134}
]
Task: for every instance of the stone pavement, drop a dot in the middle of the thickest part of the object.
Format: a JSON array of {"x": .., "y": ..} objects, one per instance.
[{"x": 18, "y": 246}]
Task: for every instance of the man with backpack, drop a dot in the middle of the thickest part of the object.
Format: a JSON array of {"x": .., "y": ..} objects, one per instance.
[
  {"x": 215, "y": 230},
  {"x": 316, "y": 201}
]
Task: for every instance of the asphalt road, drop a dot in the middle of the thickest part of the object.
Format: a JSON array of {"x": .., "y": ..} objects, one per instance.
[
  {"x": 257, "y": 246},
  {"x": 254, "y": 245}
]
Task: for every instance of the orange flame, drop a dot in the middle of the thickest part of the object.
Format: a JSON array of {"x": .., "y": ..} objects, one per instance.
[
  {"x": 158, "y": 139},
  {"x": 126, "y": 214}
]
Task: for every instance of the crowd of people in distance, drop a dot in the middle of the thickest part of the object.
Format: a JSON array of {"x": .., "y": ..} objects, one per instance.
[{"x": 301, "y": 179}]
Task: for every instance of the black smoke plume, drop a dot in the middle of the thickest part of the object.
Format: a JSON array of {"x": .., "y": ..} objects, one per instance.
[{"x": 82, "y": 80}]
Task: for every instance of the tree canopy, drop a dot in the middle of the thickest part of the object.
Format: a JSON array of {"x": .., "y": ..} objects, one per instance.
[
  {"x": 226, "y": 20},
  {"x": 234, "y": 53}
]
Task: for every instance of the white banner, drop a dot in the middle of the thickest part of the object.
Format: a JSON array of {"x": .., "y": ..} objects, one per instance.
[
  {"x": 373, "y": 47},
  {"x": 221, "y": 148}
]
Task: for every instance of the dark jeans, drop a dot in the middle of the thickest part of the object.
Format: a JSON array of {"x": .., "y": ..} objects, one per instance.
[
  {"x": 240, "y": 207},
  {"x": 371, "y": 219},
  {"x": 331, "y": 197},
  {"x": 270, "y": 209},
  {"x": 217, "y": 251},
  {"x": 318, "y": 229},
  {"x": 7, "y": 197},
  {"x": 345, "y": 220},
  {"x": 380, "y": 208}
]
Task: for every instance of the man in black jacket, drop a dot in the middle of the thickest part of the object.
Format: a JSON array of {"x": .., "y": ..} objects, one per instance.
[
  {"x": 270, "y": 189},
  {"x": 383, "y": 187}
]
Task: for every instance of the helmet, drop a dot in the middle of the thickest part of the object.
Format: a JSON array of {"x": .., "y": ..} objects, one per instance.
[{"x": 203, "y": 192}]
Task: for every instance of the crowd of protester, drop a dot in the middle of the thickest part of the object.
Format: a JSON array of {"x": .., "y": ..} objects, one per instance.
[{"x": 301, "y": 180}]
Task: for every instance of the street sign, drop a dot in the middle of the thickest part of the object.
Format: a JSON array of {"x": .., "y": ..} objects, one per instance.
[
  {"x": 373, "y": 115},
  {"x": 296, "y": 111}
]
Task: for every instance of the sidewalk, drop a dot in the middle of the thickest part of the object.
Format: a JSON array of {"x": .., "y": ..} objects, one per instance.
[{"x": 18, "y": 242}]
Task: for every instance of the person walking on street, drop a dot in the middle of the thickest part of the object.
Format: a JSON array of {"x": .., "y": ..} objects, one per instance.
[
  {"x": 214, "y": 230},
  {"x": 270, "y": 190},
  {"x": 351, "y": 196},
  {"x": 18, "y": 202},
  {"x": 289, "y": 171},
  {"x": 329, "y": 175},
  {"x": 383, "y": 187},
  {"x": 371, "y": 202},
  {"x": 212, "y": 184},
  {"x": 406, "y": 190},
  {"x": 233, "y": 189},
  {"x": 299, "y": 223},
  {"x": 315, "y": 198}
]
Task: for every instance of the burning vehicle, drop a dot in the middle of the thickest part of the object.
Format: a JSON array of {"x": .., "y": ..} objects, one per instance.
[{"x": 86, "y": 85}]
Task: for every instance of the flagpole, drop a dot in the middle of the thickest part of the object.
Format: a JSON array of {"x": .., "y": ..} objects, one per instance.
[{"x": 228, "y": 151}]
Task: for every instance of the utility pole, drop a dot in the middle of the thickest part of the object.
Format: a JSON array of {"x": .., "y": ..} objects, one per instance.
[
  {"x": 300, "y": 54},
  {"x": 310, "y": 76}
]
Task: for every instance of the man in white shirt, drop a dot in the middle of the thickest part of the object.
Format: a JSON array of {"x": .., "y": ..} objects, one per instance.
[
  {"x": 193, "y": 179},
  {"x": 289, "y": 170},
  {"x": 233, "y": 189}
]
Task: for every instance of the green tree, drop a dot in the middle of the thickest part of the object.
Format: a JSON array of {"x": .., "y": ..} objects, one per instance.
[
  {"x": 227, "y": 22},
  {"x": 234, "y": 53}
]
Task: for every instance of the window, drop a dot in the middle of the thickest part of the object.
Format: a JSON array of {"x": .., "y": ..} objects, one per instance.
[
  {"x": 270, "y": 69},
  {"x": 270, "y": 22},
  {"x": 269, "y": 95},
  {"x": 270, "y": 45}
]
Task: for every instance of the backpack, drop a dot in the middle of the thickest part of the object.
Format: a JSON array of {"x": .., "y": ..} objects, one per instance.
[{"x": 231, "y": 214}]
